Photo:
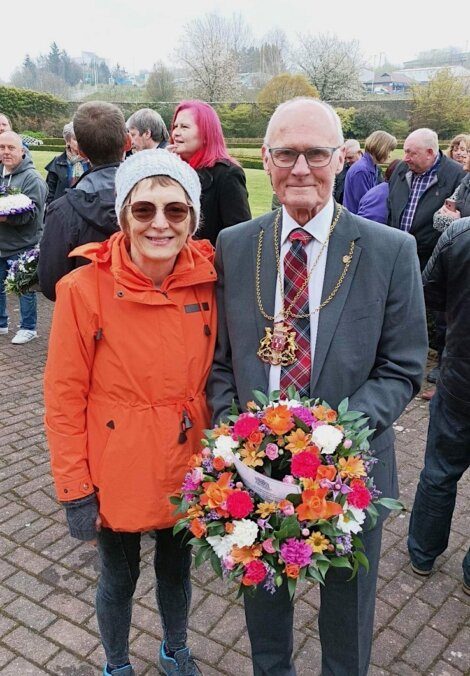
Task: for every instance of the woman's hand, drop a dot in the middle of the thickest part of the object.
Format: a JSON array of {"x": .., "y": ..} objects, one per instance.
[
  {"x": 451, "y": 213},
  {"x": 98, "y": 524}
]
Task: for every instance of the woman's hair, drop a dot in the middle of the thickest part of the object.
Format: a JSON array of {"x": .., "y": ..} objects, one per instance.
[
  {"x": 390, "y": 169},
  {"x": 164, "y": 182},
  {"x": 68, "y": 132},
  {"x": 456, "y": 141},
  {"x": 380, "y": 144},
  {"x": 213, "y": 146}
]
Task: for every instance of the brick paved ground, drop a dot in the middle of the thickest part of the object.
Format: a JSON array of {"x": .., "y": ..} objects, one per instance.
[{"x": 47, "y": 623}]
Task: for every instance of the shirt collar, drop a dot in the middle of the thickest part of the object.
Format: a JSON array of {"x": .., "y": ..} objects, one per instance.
[{"x": 318, "y": 226}]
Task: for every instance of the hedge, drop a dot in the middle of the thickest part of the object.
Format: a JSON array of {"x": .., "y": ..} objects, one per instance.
[{"x": 17, "y": 103}]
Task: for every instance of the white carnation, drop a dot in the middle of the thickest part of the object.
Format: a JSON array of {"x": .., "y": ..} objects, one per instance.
[
  {"x": 222, "y": 546},
  {"x": 351, "y": 520},
  {"x": 224, "y": 447},
  {"x": 327, "y": 438},
  {"x": 244, "y": 533}
]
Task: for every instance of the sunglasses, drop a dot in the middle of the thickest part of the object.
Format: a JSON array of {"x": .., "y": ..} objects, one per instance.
[{"x": 175, "y": 212}]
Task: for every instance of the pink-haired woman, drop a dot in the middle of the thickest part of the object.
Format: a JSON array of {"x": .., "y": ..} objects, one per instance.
[{"x": 197, "y": 137}]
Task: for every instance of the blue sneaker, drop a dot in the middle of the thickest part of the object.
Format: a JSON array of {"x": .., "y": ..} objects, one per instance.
[
  {"x": 182, "y": 663},
  {"x": 127, "y": 670}
]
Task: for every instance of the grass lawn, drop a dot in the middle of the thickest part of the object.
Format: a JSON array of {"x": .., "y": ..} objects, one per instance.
[
  {"x": 257, "y": 181},
  {"x": 259, "y": 188}
]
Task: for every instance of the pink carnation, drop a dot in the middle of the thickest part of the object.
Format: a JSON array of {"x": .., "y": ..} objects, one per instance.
[
  {"x": 268, "y": 546},
  {"x": 239, "y": 504},
  {"x": 254, "y": 572},
  {"x": 305, "y": 465},
  {"x": 360, "y": 496},
  {"x": 297, "y": 552},
  {"x": 245, "y": 425},
  {"x": 272, "y": 451}
]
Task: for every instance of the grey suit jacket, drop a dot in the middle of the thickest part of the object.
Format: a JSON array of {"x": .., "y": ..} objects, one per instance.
[{"x": 372, "y": 338}]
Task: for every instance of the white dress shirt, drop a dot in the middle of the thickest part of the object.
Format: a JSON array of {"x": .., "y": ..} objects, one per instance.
[{"x": 318, "y": 227}]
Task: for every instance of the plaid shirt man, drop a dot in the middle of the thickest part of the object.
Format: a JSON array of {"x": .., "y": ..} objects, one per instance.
[{"x": 419, "y": 184}]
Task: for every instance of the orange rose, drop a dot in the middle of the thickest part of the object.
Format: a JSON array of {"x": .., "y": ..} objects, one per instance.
[
  {"x": 314, "y": 506},
  {"x": 219, "y": 464},
  {"x": 195, "y": 460},
  {"x": 216, "y": 492},
  {"x": 326, "y": 472},
  {"x": 279, "y": 419},
  {"x": 292, "y": 570},
  {"x": 256, "y": 437},
  {"x": 198, "y": 528}
]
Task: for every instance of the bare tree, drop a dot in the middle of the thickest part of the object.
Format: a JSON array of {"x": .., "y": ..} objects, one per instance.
[
  {"x": 161, "y": 84},
  {"x": 331, "y": 64},
  {"x": 274, "y": 48},
  {"x": 209, "y": 49}
]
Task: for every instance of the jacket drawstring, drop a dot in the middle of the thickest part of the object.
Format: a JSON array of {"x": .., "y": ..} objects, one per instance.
[
  {"x": 207, "y": 329},
  {"x": 185, "y": 423},
  {"x": 99, "y": 332}
]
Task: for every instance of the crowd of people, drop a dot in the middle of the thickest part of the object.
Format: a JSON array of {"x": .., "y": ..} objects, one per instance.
[{"x": 163, "y": 286}]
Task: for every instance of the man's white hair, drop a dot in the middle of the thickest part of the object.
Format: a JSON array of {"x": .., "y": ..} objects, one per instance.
[
  {"x": 309, "y": 100},
  {"x": 425, "y": 137},
  {"x": 353, "y": 145}
]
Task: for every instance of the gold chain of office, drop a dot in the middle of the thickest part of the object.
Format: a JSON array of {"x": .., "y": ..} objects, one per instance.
[{"x": 287, "y": 311}]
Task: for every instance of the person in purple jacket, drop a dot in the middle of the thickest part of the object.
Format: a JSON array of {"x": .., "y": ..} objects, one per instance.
[
  {"x": 365, "y": 173},
  {"x": 373, "y": 204}
]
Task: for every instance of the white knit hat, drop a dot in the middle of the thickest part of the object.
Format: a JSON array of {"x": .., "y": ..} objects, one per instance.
[{"x": 156, "y": 162}]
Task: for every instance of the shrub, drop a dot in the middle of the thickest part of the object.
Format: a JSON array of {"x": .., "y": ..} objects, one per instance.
[{"x": 31, "y": 110}]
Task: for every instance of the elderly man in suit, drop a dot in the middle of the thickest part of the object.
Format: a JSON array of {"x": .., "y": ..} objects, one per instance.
[{"x": 351, "y": 292}]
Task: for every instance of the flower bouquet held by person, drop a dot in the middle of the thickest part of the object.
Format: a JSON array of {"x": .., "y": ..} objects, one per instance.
[
  {"x": 22, "y": 275},
  {"x": 282, "y": 492},
  {"x": 13, "y": 202}
]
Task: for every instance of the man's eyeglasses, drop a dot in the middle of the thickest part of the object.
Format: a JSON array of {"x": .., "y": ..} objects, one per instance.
[
  {"x": 175, "y": 212},
  {"x": 286, "y": 158}
]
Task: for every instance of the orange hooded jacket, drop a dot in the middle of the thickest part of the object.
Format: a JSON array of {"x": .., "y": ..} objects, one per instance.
[{"x": 125, "y": 380}]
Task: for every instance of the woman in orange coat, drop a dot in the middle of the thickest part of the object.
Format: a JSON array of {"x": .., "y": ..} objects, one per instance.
[{"x": 131, "y": 345}]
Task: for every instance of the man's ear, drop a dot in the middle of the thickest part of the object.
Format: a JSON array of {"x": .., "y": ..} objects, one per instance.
[
  {"x": 341, "y": 155},
  {"x": 265, "y": 156},
  {"x": 82, "y": 154}
]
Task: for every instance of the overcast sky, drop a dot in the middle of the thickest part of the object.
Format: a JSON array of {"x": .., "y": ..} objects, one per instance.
[{"x": 138, "y": 34}]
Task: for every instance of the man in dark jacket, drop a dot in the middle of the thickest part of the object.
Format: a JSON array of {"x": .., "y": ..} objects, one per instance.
[
  {"x": 353, "y": 153},
  {"x": 86, "y": 213},
  {"x": 418, "y": 188},
  {"x": 21, "y": 231},
  {"x": 447, "y": 289},
  {"x": 147, "y": 130}
]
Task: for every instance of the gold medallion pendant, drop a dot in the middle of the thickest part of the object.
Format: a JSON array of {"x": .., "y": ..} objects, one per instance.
[{"x": 278, "y": 346}]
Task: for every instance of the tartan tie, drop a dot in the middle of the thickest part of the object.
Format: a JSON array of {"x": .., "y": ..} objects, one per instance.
[{"x": 295, "y": 274}]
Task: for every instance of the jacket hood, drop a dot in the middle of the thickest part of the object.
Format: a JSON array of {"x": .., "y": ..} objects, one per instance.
[
  {"x": 194, "y": 264},
  {"x": 96, "y": 209}
]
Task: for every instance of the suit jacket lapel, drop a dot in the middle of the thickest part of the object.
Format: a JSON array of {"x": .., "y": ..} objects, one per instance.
[
  {"x": 268, "y": 277},
  {"x": 338, "y": 246}
]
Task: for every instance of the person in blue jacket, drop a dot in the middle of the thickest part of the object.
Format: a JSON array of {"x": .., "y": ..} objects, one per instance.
[{"x": 365, "y": 173}]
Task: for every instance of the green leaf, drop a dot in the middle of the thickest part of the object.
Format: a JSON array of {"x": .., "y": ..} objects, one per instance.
[
  {"x": 390, "y": 503},
  {"x": 234, "y": 408},
  {"x": 175, "y": 499},
  {"x": 278, "y": 580},
  {"x": 292, "y": 393},
  {"x": 295, "y": 498},
  {"x": 300, "y": 423},
  {"x": 323, "y": 567},
  {"x": 340, "y": 562},
  {"x": 315, "y": 574},
  {"x": 215, "y": 528},
  {"x": 275, "y": 395},
  {"x": 362, "y": 559},
  {"x": 261, "y": 397},
  {"x": 343, "y": 407},
  {"x": 354, "y": 570},
  {"x": 216, "y": 565},
  {"x": 202, "y": 555},
  {"x": 232, "y": 418},
  {"x": 290, "y": 528},
  {"x": 350, "y": 416},
  {"x": 291, "y": 585},
  {"x": 180, "y": 526}
]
